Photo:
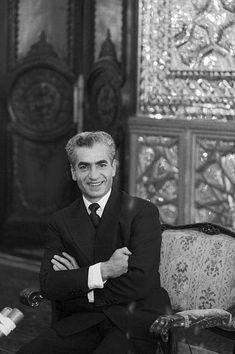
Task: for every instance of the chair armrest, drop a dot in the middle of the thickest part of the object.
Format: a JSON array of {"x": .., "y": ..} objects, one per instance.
[
  {"x": 202, "y": 318},
  {"x": 30, "y": 297},
  {"x": 164, "y": 323}
]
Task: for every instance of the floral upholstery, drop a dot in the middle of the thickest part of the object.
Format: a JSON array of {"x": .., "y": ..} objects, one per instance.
[{"x": 198, "y": 270}]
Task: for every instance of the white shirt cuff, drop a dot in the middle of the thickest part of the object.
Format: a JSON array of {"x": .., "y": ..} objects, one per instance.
[
  {"x": 90, "y": 296},
  {"x": 95, "y": 280}
]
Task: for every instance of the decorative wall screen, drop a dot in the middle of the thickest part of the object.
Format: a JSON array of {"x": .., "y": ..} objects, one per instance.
[
  {"x": 183, "y": 136},
  {"x": 157, "y": 173},
  {"x": 187, "y": 59},
  {"x": 215, "y": 180}
]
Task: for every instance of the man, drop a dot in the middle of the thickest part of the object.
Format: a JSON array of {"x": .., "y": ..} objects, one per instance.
[{"x": 101, "y": 272}]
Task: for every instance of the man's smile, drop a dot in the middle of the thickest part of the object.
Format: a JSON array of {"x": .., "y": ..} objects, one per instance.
[{"x": 95, "y": 184}]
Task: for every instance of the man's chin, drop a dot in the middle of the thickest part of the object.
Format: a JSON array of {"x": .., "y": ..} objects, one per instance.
[{"x": 98, "y": 193}]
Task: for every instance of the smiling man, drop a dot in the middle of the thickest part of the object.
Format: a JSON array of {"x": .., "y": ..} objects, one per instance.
[
  {"x": 100, "y": 266},
  {"x": 93, "y": 167}
]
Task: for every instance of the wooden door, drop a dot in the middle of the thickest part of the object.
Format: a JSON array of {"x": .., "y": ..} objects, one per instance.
[{"x": 45, "y": 47}]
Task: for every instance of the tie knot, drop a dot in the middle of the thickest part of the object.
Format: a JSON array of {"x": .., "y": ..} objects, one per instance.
[{"x": 93, "y": 207}]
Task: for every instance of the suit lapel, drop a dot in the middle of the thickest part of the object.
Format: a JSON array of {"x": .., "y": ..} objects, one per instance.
[
  {"x": 81, "y": 231},
  {"x": 108, "y": 230}
]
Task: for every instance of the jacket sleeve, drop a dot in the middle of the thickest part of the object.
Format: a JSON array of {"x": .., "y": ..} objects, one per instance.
[
  {"x": 64, "y": 284},
  {"x": 142, "y": 275}
]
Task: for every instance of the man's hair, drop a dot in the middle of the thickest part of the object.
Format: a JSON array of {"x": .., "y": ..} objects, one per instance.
[{"x": 88, "y": 139}]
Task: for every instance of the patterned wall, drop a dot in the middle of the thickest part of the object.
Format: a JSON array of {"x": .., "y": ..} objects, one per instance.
[
  {"x": 214, "y": 180},
  {"x": 158, "y": 173},
  {"x": 187, "y": 59},
  {"x": 186, "y": 85}
]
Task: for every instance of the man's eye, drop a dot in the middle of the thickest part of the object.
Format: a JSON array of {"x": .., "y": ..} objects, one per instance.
[
  {"x": 82, "y": 167},
  {"x": 103, "y": 164}
]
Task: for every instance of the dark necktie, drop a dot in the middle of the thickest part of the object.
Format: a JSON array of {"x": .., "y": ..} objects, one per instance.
[{"x": 94, "y": 217}]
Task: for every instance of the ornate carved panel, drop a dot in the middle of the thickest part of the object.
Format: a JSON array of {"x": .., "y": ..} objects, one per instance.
[
  {"x": 60, "y": 20},
  {"x": 42, "y": 15},
  {"x": 41, "y": 94},
  {"x": 157, "y": 173},
  {"x": 108, "y": 15},
  {"x": 187, "y": 59},
  {"x": 186, "y": 87},
  {"x": 103, "y": 89},
  {"x": 214, "y": 180},
  {"x": 40, "y": 178},
  {"x": 187, "y": 170},
  {"x": 40, "y": 100}
]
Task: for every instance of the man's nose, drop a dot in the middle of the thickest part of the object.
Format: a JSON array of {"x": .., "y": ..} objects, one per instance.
[{"x": 93, "y": 172}]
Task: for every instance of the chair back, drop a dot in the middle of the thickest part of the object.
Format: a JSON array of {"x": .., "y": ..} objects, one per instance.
[{"x": 197, "y": 266}]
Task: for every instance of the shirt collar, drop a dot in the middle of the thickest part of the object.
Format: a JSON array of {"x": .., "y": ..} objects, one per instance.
[{"x": 102, "y": 202}]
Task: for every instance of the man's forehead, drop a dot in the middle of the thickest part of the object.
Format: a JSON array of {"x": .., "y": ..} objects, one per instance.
[{"x": 94, "y": 154}]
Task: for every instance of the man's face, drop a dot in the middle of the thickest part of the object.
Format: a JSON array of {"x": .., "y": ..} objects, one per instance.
[{"x": 93, "y": 171}]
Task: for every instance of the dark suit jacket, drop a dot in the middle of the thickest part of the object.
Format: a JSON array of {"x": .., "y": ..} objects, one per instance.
[{"x": 131, "y": 301}]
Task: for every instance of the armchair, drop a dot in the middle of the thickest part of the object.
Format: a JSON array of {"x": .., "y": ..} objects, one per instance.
[{"x": 198, "y": 270}]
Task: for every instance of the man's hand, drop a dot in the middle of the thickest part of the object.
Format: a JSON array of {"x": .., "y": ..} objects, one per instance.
[
  {"x": 116, "y": 265},
  {"x": 66, "y": 262}
]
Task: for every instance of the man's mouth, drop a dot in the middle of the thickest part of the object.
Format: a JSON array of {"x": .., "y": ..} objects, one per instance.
[{"x": 95, "y": 184}]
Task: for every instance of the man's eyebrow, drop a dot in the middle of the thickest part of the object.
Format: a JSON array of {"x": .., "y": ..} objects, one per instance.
[
  {"x": 83, "y": 163},
  {"x": 101, "y": 161},
  {"x": 88, "y": 163}
]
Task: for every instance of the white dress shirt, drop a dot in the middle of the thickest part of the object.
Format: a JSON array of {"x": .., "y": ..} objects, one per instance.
[{"x": 95, "y": 280}]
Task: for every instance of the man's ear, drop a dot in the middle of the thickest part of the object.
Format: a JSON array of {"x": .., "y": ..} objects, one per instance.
[
  {"x": 114, "y": 165},
  {"x": 73, "y": 173}
]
